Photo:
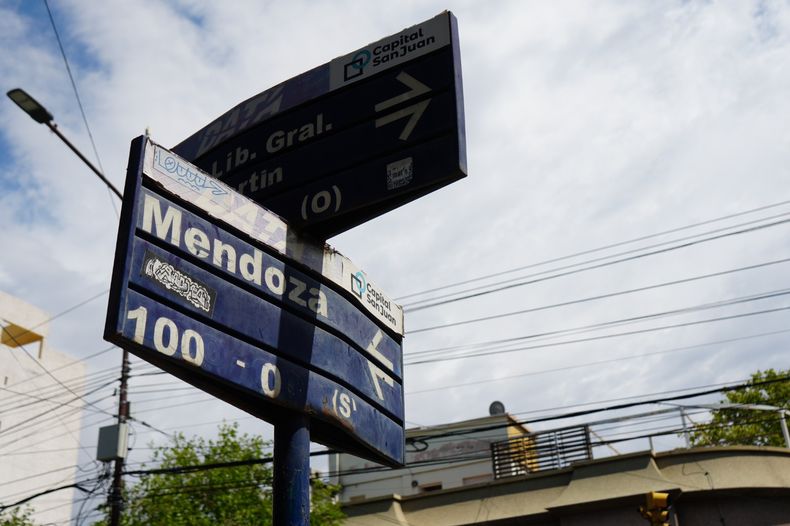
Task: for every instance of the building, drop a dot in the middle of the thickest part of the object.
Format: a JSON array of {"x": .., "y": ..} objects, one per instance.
[
  {"x": 492, "y": 471},
  {"x": 40, "y": 419},
  {"x": 736, "y": 486},
  {"x": 439, "y": 457}
]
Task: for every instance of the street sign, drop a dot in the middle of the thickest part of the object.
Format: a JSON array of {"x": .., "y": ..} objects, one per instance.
[
  {"x": 216, "y": 290},
  {"x": 350, "y": 139}
]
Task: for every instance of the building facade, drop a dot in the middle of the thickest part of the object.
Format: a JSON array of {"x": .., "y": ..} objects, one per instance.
[
  {"x": 730, "y": 486},
  {"x": 438, "y": 458},
  {"x": 40, "y": 419}
]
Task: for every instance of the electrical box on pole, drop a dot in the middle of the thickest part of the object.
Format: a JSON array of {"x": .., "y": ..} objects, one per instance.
[{"x": 112, "y": 442}]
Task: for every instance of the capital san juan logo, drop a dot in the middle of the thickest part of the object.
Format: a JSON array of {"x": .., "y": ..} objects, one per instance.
[
  {"x": 390, "y": 50},
  {"x": 374, "y": 298},
  {"x": 356, "y": 68},
  {"x": 359, "y": 284}
]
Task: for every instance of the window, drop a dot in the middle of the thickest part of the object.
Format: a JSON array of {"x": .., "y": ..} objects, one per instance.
[
  {"x": 478, "y": 479},
  {"x": 433, "y": 486}
]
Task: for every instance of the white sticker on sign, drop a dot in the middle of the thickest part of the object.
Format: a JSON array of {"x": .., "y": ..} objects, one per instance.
[{"x": 399, "y": 173}]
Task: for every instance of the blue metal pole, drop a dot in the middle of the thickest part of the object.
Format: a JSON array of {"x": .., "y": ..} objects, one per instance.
[{"x": 292, "y": 472}]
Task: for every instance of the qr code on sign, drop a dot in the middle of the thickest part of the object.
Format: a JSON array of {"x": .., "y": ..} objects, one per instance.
[{"x": 399, "y": 173}]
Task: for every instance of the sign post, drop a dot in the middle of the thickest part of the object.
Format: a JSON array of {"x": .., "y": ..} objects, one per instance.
[
  {"x": 216, "y": 290},
  {"x": 221, "y": 275},
  {"x": 348, "y": 140},
  {"x": 291, "y": 486}
]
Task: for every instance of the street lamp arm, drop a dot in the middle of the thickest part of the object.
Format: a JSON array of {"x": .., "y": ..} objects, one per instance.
[
  {"x": 39, "y": 113},
  {"x": 54, "y": 127}
]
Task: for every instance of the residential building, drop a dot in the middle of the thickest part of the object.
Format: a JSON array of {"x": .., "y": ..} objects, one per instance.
[
  {"x": 737, "y": 486},
  {"x": 40, "y": 419},
  {"x": 438, "y": 458}
]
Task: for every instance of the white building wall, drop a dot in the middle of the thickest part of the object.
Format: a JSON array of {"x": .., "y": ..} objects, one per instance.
[
  {"x": 428, "y": 468},
  {"x": 40, "y": 420}
]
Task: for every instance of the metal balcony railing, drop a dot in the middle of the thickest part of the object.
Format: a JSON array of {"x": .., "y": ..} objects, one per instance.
[{"x": 541, "y": 451}]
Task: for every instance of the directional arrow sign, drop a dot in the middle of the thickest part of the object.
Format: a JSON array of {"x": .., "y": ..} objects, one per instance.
[
  {"x": 417, "y": 89},
  {"x": 413, "y": 112},
  {"x": 216, "y": 290},
  {"x": 346, "y": 141}
]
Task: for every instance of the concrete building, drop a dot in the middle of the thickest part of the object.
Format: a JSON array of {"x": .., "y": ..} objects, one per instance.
[
  {"x": 461, "y": 454},
  {"x": 725, "y": 486},
  {"x": 40, "y": 419},
  {"x": 433, "y": 458}
]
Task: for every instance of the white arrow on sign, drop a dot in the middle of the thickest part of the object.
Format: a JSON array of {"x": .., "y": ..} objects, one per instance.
[
  {"x": 415, "y": 111},
  {"x": 375, "y": 372}
]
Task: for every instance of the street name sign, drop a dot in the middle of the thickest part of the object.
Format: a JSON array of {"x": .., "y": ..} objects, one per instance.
[
  {"x": 218, "y": 291},
  {"x": 351, "y": 139}
]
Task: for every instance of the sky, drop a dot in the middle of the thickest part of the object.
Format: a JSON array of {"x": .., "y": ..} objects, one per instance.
[{"x": 595, "y": 132}]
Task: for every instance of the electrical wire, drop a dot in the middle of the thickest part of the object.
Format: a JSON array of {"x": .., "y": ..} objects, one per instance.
[
  {"x": 612, "y": 323},
  {"x": 48, "y": 412},
  {"x": 35, "y": 433},
  {"x": 76, "y": 485},
  {"x": 17, "y": 400},
  {"x": 625, "y": 405},
  {"x": 466, "y": 431},
  {"x": 475, "y": 354},
  {"x": 40, "y": 365},
  {"x": 598, "y": 297},
  {"x": 79, "y": 102},
  {"x": 593, "y": 364},
  {"x": 594, "y": 250},
  {"x": 533, "y": 278}
]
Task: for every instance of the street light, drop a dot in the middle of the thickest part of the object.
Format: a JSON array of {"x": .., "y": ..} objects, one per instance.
[
  {"x": 40, "y": 114},
  {"x": 30, "y": 105}
]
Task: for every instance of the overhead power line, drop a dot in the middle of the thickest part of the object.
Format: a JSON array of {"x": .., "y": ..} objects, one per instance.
[
  {"x": 595, "y": 363},
  {"x": 656, "y": 431},
  {"x": 476, "y": 429},
  {"x": 601, "y": 296},
  {"x": 33, "y": 438},
  {"x": 615, "y": 407},
  {"x": 46, "y": 371},
  {"x": 611, "y": 323},
  {"x": 18, "y": 400},
  {"x": 58, "y": 405},
  {"x": 489, "y": 347},
  {"x": 73, "y": 84},
  {"x": 594, "y": 250},
  {"x": 77, "y": 485},
  {"x": 179, "y": 470},
  {"x": 540, "y": 277}
]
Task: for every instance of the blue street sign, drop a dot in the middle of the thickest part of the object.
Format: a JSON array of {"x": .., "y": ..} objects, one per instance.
[
  {"x": 214, "y": 289},
  {"x": 347, "y": 141},
  {"x": 188, "y": 183}
]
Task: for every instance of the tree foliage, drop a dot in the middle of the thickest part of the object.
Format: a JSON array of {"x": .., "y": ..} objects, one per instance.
[
  {"x": 227, "y": 496},
  {"x": 16, "y": 517},
  {"x": 740, "y": 426}
]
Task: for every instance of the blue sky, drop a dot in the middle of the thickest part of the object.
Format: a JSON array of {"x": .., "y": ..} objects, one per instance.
[{"x": 588, "y": 124}]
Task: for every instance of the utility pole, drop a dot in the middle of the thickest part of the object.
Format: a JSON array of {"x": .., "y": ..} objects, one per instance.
[
  {"x": 115, "y": 498},
  {"x": 40, "y": 114}
]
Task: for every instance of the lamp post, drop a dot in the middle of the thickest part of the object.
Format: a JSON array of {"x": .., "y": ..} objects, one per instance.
[{"x": 40, "y": 114}]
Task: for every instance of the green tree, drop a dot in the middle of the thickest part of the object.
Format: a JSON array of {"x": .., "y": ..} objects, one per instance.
[
  {"x": 739, "y": 426},
  {"x": 16, "y": 517},
  {"x": 226, "y": 496}
]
